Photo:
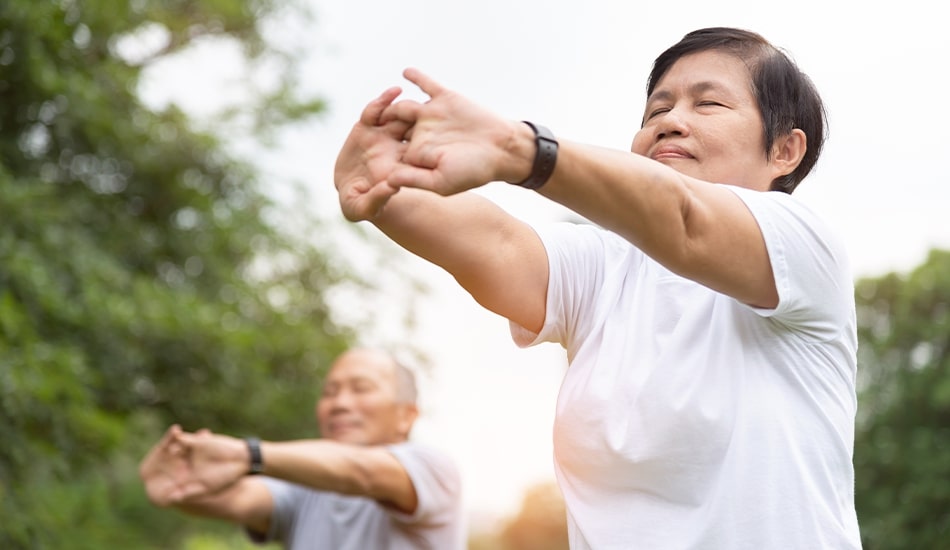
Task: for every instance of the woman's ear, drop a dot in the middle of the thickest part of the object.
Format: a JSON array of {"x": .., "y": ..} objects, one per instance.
[{"x": 788, "y": 152}]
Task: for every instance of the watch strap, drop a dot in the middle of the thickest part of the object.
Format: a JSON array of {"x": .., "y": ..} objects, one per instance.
[
  {"x": 257, "y": 460},
  {"x": 545, "y": 157}
]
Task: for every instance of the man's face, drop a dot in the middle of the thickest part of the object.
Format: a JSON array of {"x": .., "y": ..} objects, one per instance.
[
  {"x": 359, "y": 403},
  {"x": 702, "y": 120}
]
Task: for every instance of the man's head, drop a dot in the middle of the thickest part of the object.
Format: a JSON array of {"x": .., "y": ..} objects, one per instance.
[
  {"x": 785, "y": 97},
  {"x": 368, "y": 398}
]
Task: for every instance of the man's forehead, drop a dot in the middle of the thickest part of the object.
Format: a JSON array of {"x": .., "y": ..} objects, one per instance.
[
  {"x": 350, "y": 375},
  {"x": 360, "y": 365}
]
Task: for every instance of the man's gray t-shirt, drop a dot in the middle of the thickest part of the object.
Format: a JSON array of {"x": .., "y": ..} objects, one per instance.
[{"x": 307, "y": 519}]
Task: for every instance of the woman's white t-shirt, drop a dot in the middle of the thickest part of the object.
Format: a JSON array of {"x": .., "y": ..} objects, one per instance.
[{"x": 689, "y": 420}]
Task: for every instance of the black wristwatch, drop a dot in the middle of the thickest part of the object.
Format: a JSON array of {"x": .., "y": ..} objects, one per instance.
[
  {"x": 545, "y": 157},
  {"x": 257, "y": 461}
]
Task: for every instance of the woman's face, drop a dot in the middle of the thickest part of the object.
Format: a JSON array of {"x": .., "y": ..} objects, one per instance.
[{"x": 702, "y": 120}]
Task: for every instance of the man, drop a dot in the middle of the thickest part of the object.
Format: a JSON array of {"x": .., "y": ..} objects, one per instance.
[
  {"x": 362, "y": 486},
  {"x": 708, "y": 321}
]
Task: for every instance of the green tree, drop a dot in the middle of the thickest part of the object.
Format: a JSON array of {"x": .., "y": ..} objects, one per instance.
[
  {"x": 141, "y": 282},
  {"x": 902, "y": 444}
]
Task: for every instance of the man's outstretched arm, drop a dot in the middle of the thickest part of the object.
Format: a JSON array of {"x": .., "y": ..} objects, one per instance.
[{"x": 219, "y": 461}]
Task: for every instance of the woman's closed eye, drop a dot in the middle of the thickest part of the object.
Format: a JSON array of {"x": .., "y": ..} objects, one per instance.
[{"x": 657, "y": 111}]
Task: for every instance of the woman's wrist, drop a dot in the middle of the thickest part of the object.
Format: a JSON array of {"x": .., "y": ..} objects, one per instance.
[{"x": 520, "y": 151}]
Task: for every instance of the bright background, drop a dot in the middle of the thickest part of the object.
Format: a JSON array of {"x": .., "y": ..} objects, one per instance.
[{"x": 580, "y": 68}]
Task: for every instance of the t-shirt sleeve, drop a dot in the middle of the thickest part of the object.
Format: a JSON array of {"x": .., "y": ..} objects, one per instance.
[
  {"x": 577, "y": 259},
  {"x": 285, "y": 497},
  {"x": 810, "y": 265},
  {"x": 437, "y": 483}
]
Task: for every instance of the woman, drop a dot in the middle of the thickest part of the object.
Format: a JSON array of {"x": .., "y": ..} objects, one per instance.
[{"x": 709, "y": 321}]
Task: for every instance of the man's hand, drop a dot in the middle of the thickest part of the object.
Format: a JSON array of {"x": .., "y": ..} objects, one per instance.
[
  {"x": 215, "y": 462},
  {"x": 368, "y": 157},
  {"x": 183, "y": 466},
  {"x": 164, "y": 469}
]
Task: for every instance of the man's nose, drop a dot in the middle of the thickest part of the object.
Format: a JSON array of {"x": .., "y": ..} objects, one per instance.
[{"x": 342, "y": 401}]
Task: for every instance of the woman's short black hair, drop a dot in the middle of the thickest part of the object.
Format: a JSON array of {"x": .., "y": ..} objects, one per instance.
[{"x": 786, "y": 97}]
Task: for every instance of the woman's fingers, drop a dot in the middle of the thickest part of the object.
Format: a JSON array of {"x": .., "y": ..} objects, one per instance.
[
  {"x": 371, "y": 114},
  {"x": 405, "y": 111},
  {"x": 424, "y": 82}
]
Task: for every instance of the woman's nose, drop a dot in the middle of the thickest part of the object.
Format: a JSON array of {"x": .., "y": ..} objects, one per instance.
[{"x": 671, "y": 124}]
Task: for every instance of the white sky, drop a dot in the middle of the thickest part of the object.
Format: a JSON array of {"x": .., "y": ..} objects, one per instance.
[{"x": 579, "y": 67}]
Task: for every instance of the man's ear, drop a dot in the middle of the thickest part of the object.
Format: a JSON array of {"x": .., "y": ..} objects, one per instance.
[
  {"x": 409, "y": 412},
  {"x": 788, "y": 152}
]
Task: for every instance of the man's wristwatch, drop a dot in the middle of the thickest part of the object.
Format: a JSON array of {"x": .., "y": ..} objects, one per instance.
[{"x": 257, "y": 461}]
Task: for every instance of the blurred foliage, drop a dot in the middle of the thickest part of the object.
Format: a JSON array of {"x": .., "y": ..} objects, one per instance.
[
  {"x": 902, "y": 443},
  {"x": 540, "y": 524},
  {"x": 140, "y": 280}
]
